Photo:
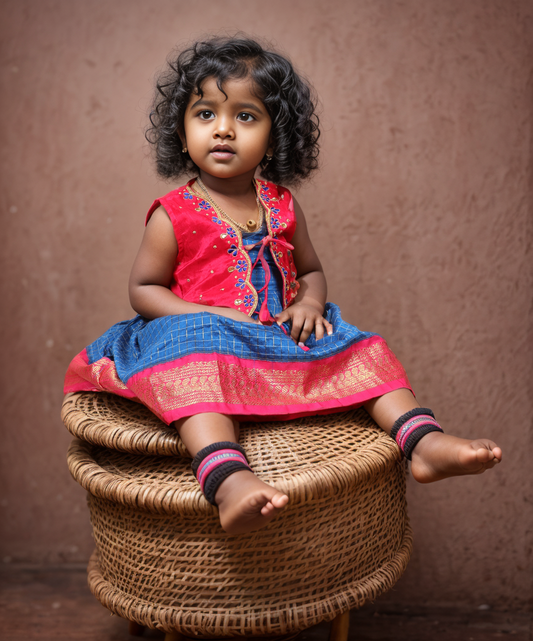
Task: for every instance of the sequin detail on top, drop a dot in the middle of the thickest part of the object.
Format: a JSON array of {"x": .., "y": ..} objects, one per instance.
[{"x": 208, "y": 246}]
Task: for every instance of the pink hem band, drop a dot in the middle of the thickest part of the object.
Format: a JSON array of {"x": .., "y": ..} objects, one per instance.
[{"x": 283, "y": 412}]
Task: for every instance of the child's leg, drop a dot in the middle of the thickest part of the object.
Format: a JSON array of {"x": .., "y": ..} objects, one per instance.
[
  {"x": 436, "y": 455},
  {"x": 244, "y": 502}
]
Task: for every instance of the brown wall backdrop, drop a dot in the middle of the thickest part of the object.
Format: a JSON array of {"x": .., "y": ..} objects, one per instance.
[{"x": 421, "y": 214}]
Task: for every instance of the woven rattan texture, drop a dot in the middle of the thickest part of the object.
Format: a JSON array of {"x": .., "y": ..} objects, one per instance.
[
  {"x": 162, "y": 559},
  {"x": 119, "y": 424},
  {"x": 172, "y": 567},
  {"x": 277, "y": 450},
  {"x": 322, "y": 457}
]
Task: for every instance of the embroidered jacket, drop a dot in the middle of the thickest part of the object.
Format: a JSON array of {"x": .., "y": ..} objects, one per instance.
[{"x": 212, "y": 267}]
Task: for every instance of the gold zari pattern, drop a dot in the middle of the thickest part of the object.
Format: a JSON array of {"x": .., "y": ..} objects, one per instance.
[{"x": 268, "y": 384}]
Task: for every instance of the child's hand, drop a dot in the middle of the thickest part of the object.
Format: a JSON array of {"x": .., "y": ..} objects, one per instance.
[{"x": 304, "y": 320}]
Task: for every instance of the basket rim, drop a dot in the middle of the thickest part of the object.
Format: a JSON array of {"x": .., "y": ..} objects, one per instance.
[
  {"x": 166, "y": 498},
  {"x": 164, "y": 441},
  {"x": 157, "y": 439},
  {"x": 326, "y": 609}
]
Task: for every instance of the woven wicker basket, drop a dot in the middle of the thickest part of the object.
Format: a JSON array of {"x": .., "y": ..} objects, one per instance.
[{"x": 162, "y": 559}]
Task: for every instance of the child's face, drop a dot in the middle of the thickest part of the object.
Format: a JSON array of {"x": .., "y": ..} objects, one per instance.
[{"x": 228, "y": 136}]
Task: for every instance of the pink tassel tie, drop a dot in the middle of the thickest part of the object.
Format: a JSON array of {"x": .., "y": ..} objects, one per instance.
[{"x": 264, "y": 315}]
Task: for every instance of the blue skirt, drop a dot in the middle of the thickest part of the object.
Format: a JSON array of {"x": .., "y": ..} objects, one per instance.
[{"x": 182, "y": 365}]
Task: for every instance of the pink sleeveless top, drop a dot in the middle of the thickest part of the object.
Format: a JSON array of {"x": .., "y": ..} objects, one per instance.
[{"x": 212, "y": 261}]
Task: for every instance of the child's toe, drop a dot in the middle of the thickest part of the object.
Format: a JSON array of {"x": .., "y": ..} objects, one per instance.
[
  {"x": 267, "y": 509},
  {"x": 484, "y": 450},
  {"x": 484, "y": 455},
  {"x": 279, "y": 500}
]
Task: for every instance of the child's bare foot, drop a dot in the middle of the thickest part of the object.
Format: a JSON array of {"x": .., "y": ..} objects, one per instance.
[
  {"x": 246, "y": 504},
  {"x": 438, "y": 456}
]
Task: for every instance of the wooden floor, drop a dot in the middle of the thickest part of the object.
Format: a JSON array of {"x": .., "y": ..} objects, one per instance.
[{"x": 54, "y": 605}]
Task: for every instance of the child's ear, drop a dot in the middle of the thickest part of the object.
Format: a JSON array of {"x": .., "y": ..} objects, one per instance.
[
  {"x": 270, "y": 148},
  {"x": 183, "y": 142}
]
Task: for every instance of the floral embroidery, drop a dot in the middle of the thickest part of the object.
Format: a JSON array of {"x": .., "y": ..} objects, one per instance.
[{"x": 278, "y": 219}]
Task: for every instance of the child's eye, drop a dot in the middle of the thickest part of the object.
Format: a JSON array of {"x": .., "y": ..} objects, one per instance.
[
  {"x": 205, "y": 114},
  {"x": 245, "y": 117}
]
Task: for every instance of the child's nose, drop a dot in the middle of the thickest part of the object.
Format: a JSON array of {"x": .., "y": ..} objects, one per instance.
[{"x": 224, "y": 128}]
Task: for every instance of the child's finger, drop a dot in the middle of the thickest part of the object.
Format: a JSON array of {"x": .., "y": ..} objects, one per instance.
[
  {"x": 319, "y": 329},
  {"x": 296, "y": 329},
  {"x": 297, "y": 326},
  {"x": 307, "y": 329},
  {"x": 328, "y": 326},
  {"x": 323, "y": 326}
]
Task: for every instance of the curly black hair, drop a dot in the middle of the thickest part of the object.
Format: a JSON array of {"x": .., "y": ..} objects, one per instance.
[{"x": 288, "y": 99}]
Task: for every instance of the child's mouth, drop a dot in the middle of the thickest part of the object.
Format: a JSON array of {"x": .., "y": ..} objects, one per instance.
[
  {"x": 222, "y": 155},
  {"x": 222, "y": 152}
]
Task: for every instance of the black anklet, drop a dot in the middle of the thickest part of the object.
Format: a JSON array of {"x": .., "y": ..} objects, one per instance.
[
  {"x": 214, "y": 463},
  {"x": 411, "y": 427}
]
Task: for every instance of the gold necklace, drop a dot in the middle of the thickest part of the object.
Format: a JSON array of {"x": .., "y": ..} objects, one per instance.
[{"x": 251, "y": 225}]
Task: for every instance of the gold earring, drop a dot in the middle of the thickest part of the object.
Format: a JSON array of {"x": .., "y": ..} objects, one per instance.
[
  {"x": 268, "y": 157},
  {"x": 184, "y": 150}
]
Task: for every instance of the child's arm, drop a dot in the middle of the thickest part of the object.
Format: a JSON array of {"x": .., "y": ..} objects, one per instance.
[
  {"x": 306, "y": 312},
  {"x": 151, "y": 276}
]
